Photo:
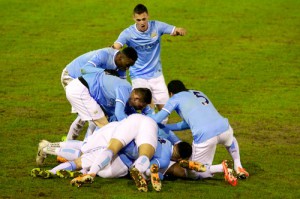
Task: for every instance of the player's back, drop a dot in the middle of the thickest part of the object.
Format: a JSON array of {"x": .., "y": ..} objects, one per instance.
[
  {"x": 101, "y": 58},
  {"x": 106, "y": 89},
  {"x": 200, "y": 114},
  {"x": 75, "y": 66}
]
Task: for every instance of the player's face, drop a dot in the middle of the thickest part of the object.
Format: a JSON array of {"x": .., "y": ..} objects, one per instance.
[
  {"x": 136, "y": 102},
  {"x": 175, "y": 155},
  {"x": 124, "y": 63},
  {"x": 141, "y": 21}
]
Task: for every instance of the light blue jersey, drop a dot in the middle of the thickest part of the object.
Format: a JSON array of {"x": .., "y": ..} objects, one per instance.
[
  {"x": 107, "y": 90},
  {"x": 199, "y": 113},
  {"x": 147, "y": 45},
  {"x": 102, "y": 58},
  {"x": 162, "y": 156}
]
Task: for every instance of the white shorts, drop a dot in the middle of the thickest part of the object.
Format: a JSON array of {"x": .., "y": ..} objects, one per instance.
[
  {"x": 65, "y": 78},
  {"x": 157, "y": 86},
  {"x": 205, "y": 152},
  {"x": 138, "y": 127},
  {"x": 100, "y": 138},
  {"x": 115, "y": 169},
  {"x": 81, "y": 100}
]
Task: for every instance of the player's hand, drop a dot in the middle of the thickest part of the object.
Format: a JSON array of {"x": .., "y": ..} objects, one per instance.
[{"x": 179, "y": 32}]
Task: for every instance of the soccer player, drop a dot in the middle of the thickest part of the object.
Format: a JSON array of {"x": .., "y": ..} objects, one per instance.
[
  {"x": 208, "y": 128},
  {"x": 105, "y": 58},
  {"x": 97, "y": 95},
  {"x": 118, "y": 167},
  {"x": 145, "y": 36}
]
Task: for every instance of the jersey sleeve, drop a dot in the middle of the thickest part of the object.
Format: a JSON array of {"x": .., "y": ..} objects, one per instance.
[
  {"x": 171, "y": 105},
  {"x": 100, "y": 60},
  {"x": 164, "y": 28},
  {"x": 123, "y": 37},
  {"x": 122, "y": 96}
]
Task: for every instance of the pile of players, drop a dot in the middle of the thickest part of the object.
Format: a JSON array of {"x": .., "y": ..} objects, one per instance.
[{"x": 125, "y": 135}]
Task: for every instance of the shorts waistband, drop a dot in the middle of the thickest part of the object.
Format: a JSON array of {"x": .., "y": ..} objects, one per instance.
[{"x": 82, "y": 80}]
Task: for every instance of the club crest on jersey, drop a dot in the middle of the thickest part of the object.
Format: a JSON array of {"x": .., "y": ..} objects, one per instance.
[{"x": 153, "y": 35}]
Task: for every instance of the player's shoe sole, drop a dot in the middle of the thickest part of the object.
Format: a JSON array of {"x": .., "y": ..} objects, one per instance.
[
  {"x": 68, "y": 174},
  {"x": 242, "y": 173},
  {"x": 41, "y": 155},
  {"x": 37, "y": 172},
  {"x": 139, "y": 180},
  {"x": 155, "y": 180},
  {"x": 46, "y": 174},
  {"x": 228, "y": 173},
  {"x": 83, "y": 179},
  {"x": 192, "y": 165}
]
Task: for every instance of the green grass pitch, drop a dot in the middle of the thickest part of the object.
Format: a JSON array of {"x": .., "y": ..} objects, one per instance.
[{"x": 244, "y": 54}]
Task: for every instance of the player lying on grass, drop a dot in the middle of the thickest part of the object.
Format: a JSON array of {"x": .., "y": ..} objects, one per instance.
[
  {"x": 136, "y": 127},
  {"x": 208, "y": 128},
  {"x": 105, "y": 58},
  {"x": 118, "y": 167}
]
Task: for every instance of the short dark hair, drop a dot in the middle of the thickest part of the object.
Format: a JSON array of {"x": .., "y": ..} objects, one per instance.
[
  {"x": 145, "y": 93},
  {"x": 139, "y": 9},
  {"x": 130, "y": 53},
  {"x": 176, "y": 86},
  {"x": 184, "y": 150},
  {"x": 112, "y": 72}
]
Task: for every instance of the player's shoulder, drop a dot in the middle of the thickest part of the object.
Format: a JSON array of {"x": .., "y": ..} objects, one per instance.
[
  {"x": 158, "y": 23},
  {"x": 107, "y": 50}
]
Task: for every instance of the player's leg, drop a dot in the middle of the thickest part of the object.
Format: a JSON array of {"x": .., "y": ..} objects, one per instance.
[
  {"x": 77, "y": 124},
  {"x": 63, "y": 170},
  {"x": 226, "y": 138},
  {"x": 115, "y": 169},
  {"x": 90, "y": 130},
  {"x": 101, "y": 122},
  {"x": 160, "y": 93},
  {"x": 231, "y": 144},
  {"x": 105, "y": 156},
  {"x": 87, "y": 108},
  {"x": 146, "y": 141},
  {"x": 203, "y": 153},
  {"x": 235, "y": 154},
  {"x": 75, "y": 128},
  {"x": 101, "y": 160},
  {"x": 67, "y": 150},
  {"x": 175, "y": 171}
]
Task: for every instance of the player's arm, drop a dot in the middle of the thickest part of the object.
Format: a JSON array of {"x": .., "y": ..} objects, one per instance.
[
  {"x": 160, "y": 116},
  {"x": 178, "y": 126},
  {"x": 90, "y": 69},
  {"x": 120, "y": 111},
  {"x": 178, "y": 32},
  {"x": 148, "y": 110},
  {"x": 176, "y": 171},
  {"x": 117, "y": 46},
  {"x": 169, "y": 135},
  {"x": 92, "y": 65}
]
